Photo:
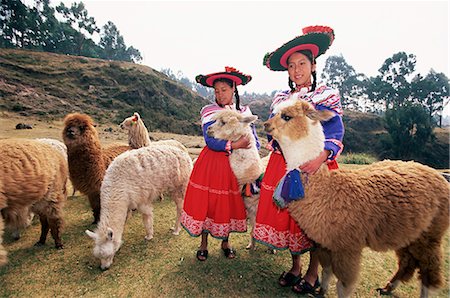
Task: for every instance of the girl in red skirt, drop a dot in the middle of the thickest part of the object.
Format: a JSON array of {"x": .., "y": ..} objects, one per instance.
[
  {"x": 274, "y": 226},
  {"x": 213, "y": 203}
]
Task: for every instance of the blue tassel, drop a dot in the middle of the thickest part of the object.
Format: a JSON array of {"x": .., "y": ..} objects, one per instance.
[{"x": 290, "y": 188}]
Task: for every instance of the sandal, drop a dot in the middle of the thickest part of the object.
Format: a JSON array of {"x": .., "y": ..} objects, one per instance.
[
  {"x": 303, "y": 287},
  {"x": 202, "y": 255},
  {"x": 288, "y": 279},
  {"x": 229, "y": 253}
]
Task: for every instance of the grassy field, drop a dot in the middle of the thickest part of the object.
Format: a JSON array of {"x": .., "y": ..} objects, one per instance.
[{"x": 165, "y": 266}]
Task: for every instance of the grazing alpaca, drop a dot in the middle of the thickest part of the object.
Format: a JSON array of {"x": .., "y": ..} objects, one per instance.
[
  {"x": 245, "y": 163},
  {"x": 133, "y": 181},
  {"x": 396, "y": 205},
  {"x": 87, "y": 159},
  {"x": 138, "y": 134},
  {"x": 33, "y": 176}
]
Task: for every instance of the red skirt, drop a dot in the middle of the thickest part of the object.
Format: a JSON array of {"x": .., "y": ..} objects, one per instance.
[
  {"x": 274, "y": 226},
  {"x": 213, "y": 201}
]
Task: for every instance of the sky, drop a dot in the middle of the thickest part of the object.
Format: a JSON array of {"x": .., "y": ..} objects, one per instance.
[{"x": 201, "y": 37}]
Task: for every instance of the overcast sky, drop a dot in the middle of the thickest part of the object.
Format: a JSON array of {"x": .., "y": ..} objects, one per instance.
[{"x": 200, "y": 37}]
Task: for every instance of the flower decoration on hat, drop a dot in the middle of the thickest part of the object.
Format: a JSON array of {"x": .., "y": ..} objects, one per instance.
[
  {"x": 230, "y": 73},
  {"x": 316, "y": 39}
]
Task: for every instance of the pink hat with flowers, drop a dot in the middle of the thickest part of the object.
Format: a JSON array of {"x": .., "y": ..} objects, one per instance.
[
  {"x": 230, "y": 73},
  {"x": 316, "y": 39}
]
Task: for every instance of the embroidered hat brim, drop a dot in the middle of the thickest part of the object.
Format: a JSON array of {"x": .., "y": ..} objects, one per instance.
[
  {"x": 316, "y": 39},
  {"x": 230, "y": 73}
]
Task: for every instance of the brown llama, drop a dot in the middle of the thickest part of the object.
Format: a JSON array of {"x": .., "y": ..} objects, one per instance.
[
  {"x": 403, "y": 206},
  {"x": 33, "y": 177},
  {"x": 87, "y": 159}
]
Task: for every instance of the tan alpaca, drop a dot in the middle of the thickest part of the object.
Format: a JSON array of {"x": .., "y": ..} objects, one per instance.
[
  {"x": 33, "y": 176},
  {"x": 245, "y": 163},
  {"x": 138, "y": 134},
  {"x": 396, "y": 205}
]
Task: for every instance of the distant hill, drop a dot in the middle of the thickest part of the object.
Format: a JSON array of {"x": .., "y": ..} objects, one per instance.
[{"x": 52, "y": 85}]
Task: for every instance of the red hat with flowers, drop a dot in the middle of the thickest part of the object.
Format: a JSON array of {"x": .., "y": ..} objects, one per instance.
[
  {"x": 230, "y": 73},
  {"x": 316, "y": 39}
]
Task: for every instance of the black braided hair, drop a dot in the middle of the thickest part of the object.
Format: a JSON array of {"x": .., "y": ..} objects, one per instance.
[
  {"x": 311, "y": 59},
  {"x": 231, "y": 84},
  {"x": 236, "y": 95}
]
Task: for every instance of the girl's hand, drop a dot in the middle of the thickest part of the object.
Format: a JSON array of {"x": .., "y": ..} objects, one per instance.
[
  {"x": 312, "y": 166},
  {"x": 243, "y": 142}
]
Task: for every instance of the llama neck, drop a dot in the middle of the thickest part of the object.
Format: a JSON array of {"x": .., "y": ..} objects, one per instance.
[
  {"x": 138, "y": 136},
  {"x": 113, "y": 215},
  {"x": 300, "y": 151}
]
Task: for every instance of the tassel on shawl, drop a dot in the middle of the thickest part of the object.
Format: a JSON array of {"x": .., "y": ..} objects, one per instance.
[{"x": 290, "y": 188}]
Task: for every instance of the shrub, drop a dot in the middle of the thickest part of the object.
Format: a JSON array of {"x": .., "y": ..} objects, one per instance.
[{"x": 357, "y": 158}]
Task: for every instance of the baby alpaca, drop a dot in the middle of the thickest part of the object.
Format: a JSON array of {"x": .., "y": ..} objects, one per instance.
[
  {"x": 134, "y": 180},
  {"x": 245, "y": 163},
  {"x": 396, "y": 205}
]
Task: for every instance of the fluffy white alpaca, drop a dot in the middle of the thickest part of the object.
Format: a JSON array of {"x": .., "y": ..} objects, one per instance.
[
  {"x": 245, "y": 163},
  {"x": 133, "y": 181},
  {"x": 396, "y": 205}
]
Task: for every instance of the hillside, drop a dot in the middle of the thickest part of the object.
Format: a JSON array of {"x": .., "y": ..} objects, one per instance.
[
  {"x": 52, "y": 85},
  {"x": 49, "y": 86}
]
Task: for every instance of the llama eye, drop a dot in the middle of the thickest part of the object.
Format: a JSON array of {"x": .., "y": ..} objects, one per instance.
[{"x": 285, "y": 117}]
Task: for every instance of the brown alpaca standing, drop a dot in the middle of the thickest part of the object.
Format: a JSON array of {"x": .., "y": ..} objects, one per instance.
[
  {"x": 403, "y": 206},
  {"x": 87, "y": 159},
  {"x": 33, "y": 176}
]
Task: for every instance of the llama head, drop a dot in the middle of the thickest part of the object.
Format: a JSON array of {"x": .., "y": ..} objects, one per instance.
[
  {"x": 230, "y": 125},
  {"x": 78, "y": 129},
  {"x": 296, "y": 124},
  {"x": 106, "y": 246},
  {"x": 131, "y": 121}
]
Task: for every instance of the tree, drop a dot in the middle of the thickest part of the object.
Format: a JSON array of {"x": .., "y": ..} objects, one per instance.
[
  {"x": 431, "y": 91},
  {"x": 78, "y": 15},
  {"x": 114, "y": 46},
  {"x": 13, "y": 23},
  {"x": 342, "y": 76},
  {"x": 391, "y": 86},
  {"x": 409, "y": 129}
]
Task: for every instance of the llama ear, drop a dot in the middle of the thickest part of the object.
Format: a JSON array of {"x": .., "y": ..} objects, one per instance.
[
  {"x": 136, "y": 116},
  {"x": 249, "y": 119},
  {"x": 109, "y": 234},
  {"x": 318, "y": 115},
  {"x": 91, "y": 234}
]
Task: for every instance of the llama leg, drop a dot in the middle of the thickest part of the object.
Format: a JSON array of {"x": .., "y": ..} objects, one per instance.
[
  {"x": 251, "y": 243},
  {"x": 327, "y": 271},
  {"x": 44, "y": 230},
  {"x": 346, "y": 268},
  {"x": 147, "y": 218},
  {"x": 178, "y": 199},
  {"x": 3, "y": 258},
  {"x": 56, "y": 224},
  {"x": 407, "y": 264},
  {"x": 94, "y": 201},
  {"x": 429, "y": 255}
]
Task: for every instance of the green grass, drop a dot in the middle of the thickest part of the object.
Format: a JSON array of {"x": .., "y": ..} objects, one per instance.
[{"x": 165, "y": 266}]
